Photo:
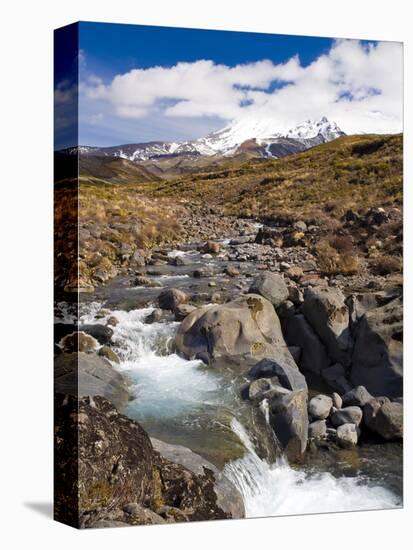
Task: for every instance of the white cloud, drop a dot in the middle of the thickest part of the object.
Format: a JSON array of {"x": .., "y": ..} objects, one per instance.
[{"x": 359, "y": 86}]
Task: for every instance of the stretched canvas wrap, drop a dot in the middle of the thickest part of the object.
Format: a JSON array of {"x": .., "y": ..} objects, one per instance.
[{"x": 228, "y": 275}]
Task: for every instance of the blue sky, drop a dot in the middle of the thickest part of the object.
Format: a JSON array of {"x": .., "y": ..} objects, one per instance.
[{"x": 143, "y": 83}]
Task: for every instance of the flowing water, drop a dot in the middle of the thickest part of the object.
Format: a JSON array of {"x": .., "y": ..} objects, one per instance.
[{"x": 185, "y": 402}]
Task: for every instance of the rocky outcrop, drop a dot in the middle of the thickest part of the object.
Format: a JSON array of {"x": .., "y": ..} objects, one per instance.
[
  {"x": 271, "y": 286},
  {"x": 377, "y": 361},
  {"x": 326, "y": 311},
  {"x": 121, "y": 478},
  {"x": 245, "y": 327}
]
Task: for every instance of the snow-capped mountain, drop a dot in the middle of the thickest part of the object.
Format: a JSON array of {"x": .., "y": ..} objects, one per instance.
[
  {"x": 227, "y": 140},
  {"x": 269, "y": 139}
]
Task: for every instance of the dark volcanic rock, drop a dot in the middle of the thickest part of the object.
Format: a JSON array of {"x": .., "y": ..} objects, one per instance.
[
  {"x": 298, "y": 332},
  {"x": 287, "y": 372},
  {"x": 172, "y": 298},
  {"x": 102, "y": 333},
  {"x": 289, "y": 420},
  {"x": 120, "y": 477},
  {"x": 326, "y": 311},
  {"x": 377, "y": 361},
  {"x": 348, "y": 415},
  {"x": 385, "y": 419},
  {"x": 228, "y": 497},
  {"x": 358, "y": 396},
  {"x": 78, "y": 341},
  {"x": 271, "y": 286}
]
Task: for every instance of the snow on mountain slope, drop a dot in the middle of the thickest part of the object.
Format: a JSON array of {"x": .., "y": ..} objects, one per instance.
[{"x": 227, "y": 140}]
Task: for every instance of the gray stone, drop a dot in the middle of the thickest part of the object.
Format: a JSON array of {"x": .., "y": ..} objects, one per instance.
[
  {"x": 384, "y": 419},
  {"x": 108, "y": 353},
  {"x": 265, "y": 388},
  {"x": 289, "y": 420},
  {"x": 271, "y": 286},
  {"x": 298, "y": 332},
  {"x": 247, "y": 327},
  {"x": 347, "y": 435},
  {"x": 295, "y": 295},
  {"x": 287, "y": 372},
  {"x": 171, "y": 298},
  {"x": 82, "y": 374},
  {"x": 103, "y": 334},
  {"x": 317, "y": 429},
  {"x": 154, "y": 317},
  {"x": 182, "y": 259},
  {"x": 336, "y": 379},
  {"x": 183, "y": 310},
  {"x": 358, "y": 396},
  {"x": 142, "y": 515},
  {"x": 319, "y": 406},
  {"x": 337, "y": 401},
  {"x": 229, "y": 499},
  {"x": 377, "y": 360},
  {"x": 348, "y": 415},
  {"x": 300, "y": 226},
  {"x": 326, "y": 311}
]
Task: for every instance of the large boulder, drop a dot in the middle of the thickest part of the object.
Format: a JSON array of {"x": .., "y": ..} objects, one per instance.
[
  {"x": 336, "y": 378},
  {"x": 111, "y": 462},
  {"x": 289, "y": 419},
  {"x": 377, "y": 361},
  {"x": 271, "y": 286},
  {"x": 119, "y": 476},
  {"x": 171, "y": 298},
  {"x": 245, "y": 327},
  {"x": 385, "y": 419},
  {"x": 81, "y": 374},
  {"x": 326, "y": 311},
  {"x": 286, "y": 371},
  {"x": 298, "y": 332}
]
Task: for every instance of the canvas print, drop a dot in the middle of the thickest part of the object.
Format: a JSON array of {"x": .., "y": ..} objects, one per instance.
[{"x": 228, "y": 275}]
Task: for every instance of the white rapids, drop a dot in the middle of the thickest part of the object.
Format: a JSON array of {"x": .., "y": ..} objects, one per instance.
[{"x": 279, "y": 490}]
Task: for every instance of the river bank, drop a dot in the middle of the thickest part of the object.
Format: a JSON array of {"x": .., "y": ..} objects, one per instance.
[{"x": 202, "y": 407}]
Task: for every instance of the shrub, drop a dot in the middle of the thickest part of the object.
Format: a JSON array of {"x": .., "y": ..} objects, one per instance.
[
  {"x": 333, "y": 261},
  {"x": 385, "y": 265}
]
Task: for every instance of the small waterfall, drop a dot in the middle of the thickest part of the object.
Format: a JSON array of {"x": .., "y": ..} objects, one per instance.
[{"x": 277, "y": 489}]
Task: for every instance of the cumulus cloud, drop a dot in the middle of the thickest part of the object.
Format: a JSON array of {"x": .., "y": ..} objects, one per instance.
[{"x": 357, "y": 85}]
